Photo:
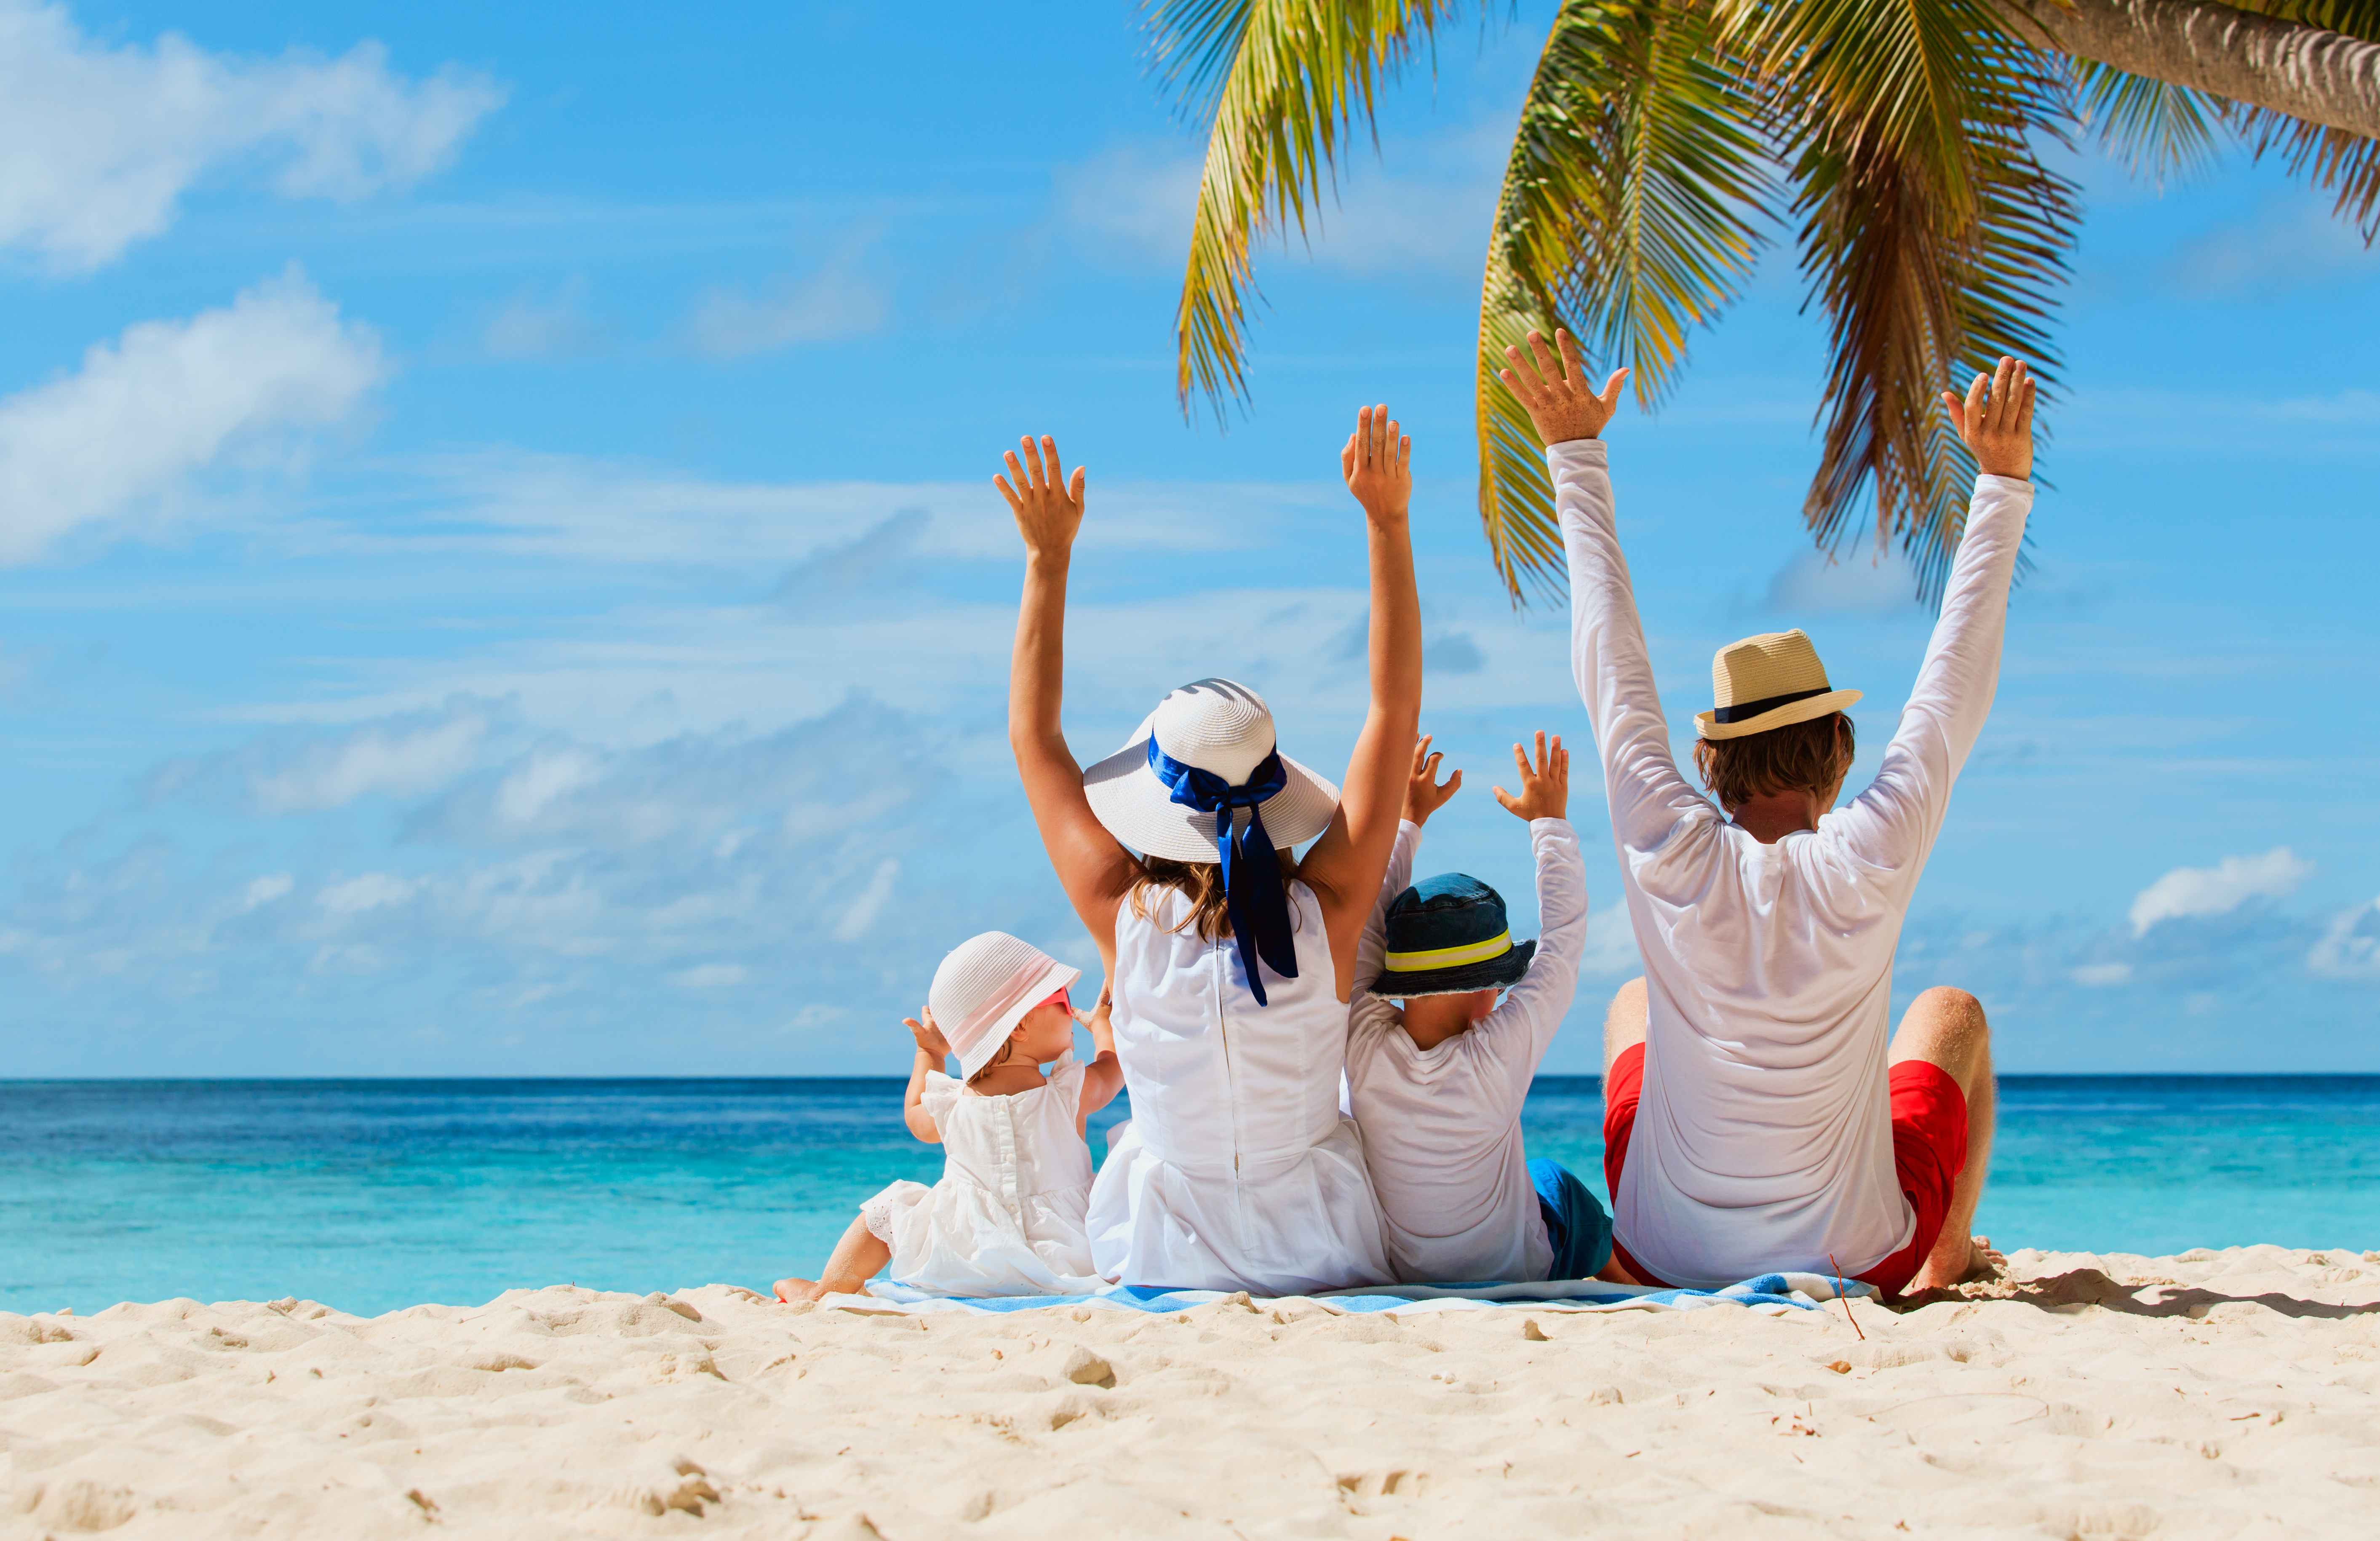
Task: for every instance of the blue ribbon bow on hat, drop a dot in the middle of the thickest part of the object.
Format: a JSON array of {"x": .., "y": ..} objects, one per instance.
[{"x": 1254, "y": 894}]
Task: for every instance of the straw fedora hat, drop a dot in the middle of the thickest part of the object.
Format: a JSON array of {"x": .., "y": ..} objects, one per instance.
[
  {"x": 1770, "y": 681},
  {"x": 984, "y": 988},
  {"x": 1220, "y": 727}
]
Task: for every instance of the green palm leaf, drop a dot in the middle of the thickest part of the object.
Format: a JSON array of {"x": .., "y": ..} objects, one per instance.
[
  {"x": 1631, "y": 205},
  {"x": 1281, "y": 84}
]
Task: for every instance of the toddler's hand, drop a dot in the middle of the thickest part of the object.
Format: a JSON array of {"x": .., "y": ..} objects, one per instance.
[
  {"x": 1424, "y": 794},
  {"x": 930, "y": 1037},
  {"x": 1545, "y": 786}
]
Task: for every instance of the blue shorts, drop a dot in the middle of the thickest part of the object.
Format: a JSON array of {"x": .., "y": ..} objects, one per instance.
[{"x": 1575, "y": 1223}]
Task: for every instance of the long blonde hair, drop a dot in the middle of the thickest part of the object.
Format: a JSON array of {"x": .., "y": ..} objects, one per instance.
[{"x": 1201, "y": 882}]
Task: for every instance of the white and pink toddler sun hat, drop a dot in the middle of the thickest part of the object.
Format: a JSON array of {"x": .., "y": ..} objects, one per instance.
[{"x": 984, "y": 988}]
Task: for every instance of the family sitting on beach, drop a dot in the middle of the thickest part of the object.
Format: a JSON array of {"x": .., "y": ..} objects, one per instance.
[{"x": 1327, "y": 1065}]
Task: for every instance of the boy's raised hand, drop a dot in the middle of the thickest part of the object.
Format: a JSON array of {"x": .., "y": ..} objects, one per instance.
[
  {"x": 930, "y": 1037},
  {"x": 1561, "y": 404},
  {"x": 1049, "y": 510},
  {"x": 1545, "y": 786},
  {"x": 1996, "y": 419},
  {"x": 1424, "y": 794},
  {"x": 1377, "y": 461}
]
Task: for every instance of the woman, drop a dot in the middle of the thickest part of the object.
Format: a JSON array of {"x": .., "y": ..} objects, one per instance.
[{"x": 1232, "y": 960}]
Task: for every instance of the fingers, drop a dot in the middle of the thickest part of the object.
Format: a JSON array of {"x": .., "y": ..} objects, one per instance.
[
  {"x": 2001, "y": 409},
  {"x": 1520, "y": 758},
  {"x": 1421, "y": 752},
  {"x": 1956, "y": 410},
  {"x": 1506, "y": 801},
  {"x": 1363, "y": 436},
  {"x": 1453, "y": 785},
  {"x": 1015, "y": 503},
  {"x": 1561, "y": 761},
  {"x": 1383, "y": 435},
  {"x": 1610, "y": 394},
  {"x": 1347, "y": 459},
  {"x": 1523, "y": 377},
  {"x": 1404, "y": 453},
  {"x": 1075, "y": 491},
  {"x": 1974, "y": 418},
  {"x": 1049, "y": 451},
  {"x": 1033, "y": 463},
  {"x": 1544, "y": 359},
  {"x": 1543, "y": 764},
  {"x": 1574, "y": 361}
]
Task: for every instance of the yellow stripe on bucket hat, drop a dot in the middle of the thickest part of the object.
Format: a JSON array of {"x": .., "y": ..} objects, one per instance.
[{"x": 1451, "y": 957}]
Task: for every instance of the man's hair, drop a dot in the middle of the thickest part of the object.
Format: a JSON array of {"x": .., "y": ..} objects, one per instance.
[{"x": 1812, "y": 757}]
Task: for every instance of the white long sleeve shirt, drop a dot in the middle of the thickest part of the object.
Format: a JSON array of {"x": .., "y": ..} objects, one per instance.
[
  {"x": 1764, "y": 1139},
  {"x": 1442, "y": 1126}
]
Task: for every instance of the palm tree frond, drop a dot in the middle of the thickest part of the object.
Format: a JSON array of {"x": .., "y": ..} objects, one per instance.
[
  {"x": 1932, "y": 235},
  {"x": 1281, "y": 84},
  {"x": 2162, "y": 131},
  {"x": 1631, "y": 202}
]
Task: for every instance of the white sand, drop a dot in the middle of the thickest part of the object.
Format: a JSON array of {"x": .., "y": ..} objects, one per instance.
[{"x": 2217, "y": 1394}]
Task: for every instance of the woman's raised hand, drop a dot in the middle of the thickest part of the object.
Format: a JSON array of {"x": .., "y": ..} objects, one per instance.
[
  {"x": 1378, "y": 462},
  {"x": 1996, "y": 419},
  {"x": 1561, "y": 405},
  {"x": 1048, "y": 511}
]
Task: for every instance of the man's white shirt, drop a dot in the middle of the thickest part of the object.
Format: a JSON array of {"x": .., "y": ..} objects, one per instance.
[
  {"x": 1442, "y": 1126},
  {"x": 1764, "y": 1137}
]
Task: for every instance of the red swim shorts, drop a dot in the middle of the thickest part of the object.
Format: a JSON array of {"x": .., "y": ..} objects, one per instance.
[{"x": 1929, "y": 1146}]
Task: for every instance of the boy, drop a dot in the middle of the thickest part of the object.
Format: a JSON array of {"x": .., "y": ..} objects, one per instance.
[{"x": 1437, "y": 1087}]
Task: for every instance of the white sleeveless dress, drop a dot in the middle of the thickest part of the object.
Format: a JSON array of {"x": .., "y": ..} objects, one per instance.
[
  {"x": 1007, "y": 1217},
  {"x": 1237, "y": 1171}
]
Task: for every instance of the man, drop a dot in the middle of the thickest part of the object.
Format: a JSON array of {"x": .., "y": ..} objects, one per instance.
[{"x": 1756, "y": 1117}]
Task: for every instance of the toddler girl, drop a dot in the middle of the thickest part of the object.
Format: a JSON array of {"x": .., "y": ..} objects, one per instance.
[{"x": 1007, "y": 1217}]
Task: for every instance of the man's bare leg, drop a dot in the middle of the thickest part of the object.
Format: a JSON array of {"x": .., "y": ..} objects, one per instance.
[
  {"x": 1945, "y": 1027},
  {"x": 1623, "y": 1025},
  {"x": 1624, "y": 1028},
  {"x": 855, "y": 1261}
]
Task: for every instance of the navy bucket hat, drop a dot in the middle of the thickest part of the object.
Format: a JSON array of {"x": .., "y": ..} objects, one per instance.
[{"x": 1448, "y": 936}]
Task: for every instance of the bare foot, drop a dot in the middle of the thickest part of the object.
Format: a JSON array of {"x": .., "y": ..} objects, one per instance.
[
  {"x": 1978, "y": 1261},
  {"x": 794, "y": 1291}
]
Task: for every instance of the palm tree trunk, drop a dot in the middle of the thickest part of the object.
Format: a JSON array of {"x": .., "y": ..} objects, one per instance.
[{"x": 2305, "y": 72}]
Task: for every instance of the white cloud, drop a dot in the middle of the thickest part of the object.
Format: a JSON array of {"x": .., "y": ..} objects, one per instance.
[
  {"x": 2349, "y": 948},
  {"x": 863, "y": 910},
  {"x": 2101, "y": 975},
  {"x": 373, "y": 890},
  {"x": 265, "y": 890},
  {"x": 392, "y": 760},
  {"x": 98, "y": 143},
  {"x": 710, "y": 977},
  {"x": 2292, "y": 241},
  {"x": 532, "y": 324},
  {"x": 1431, "y": 215},
  {"x": 1858, "y": 582},
  {"x": 123, "y": 436},
  {"x": 2202, "y": 890},
  {"x": 842, "y": 298}
]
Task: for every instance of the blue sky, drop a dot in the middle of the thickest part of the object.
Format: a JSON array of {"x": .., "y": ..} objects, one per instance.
[{"x": 498, "y": 573}]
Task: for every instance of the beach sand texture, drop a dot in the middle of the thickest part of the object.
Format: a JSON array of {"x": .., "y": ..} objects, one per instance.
[{"x": 2230, "y": 1393}]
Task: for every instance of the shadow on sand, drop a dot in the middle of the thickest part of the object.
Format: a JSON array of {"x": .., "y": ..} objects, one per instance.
[{"x": 2059, "y": 1292}]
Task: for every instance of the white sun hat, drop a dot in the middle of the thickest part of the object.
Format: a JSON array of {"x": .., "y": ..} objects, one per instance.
[
  {"x": 984, "y": 988},
  {"x": 1770, "y": 681},
  {"x": 1226, "y": 730}
]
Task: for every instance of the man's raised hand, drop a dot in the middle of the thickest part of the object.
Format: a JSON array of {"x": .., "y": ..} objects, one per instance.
[
  {"x": 1048, "y": 511},
  {"x": 1996, "y": 419},
  {"x": 1377, "y": 461},
  {"x": 1545, "y": 786},
  {"x": 1561, "y": 404},
  {"x": 1424, "y": 794}
]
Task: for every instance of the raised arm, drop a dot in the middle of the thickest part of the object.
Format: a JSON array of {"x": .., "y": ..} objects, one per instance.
[
  {"x": 1103, "y": 1077},
  {"x": 1521, "y": 1028},
  {"x": 1345, "y": 864},
  {"x": 1615, "y": 676},
  {"x": 932, "y": 1054},
  {"x": 1094, "y": 870},
  {"x": 1891, "y": 826},
  {"x": 1425, "y": 794}
]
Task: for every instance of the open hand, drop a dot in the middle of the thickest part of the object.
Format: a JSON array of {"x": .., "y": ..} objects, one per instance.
[
  {"x": 930, "y": 1037},
  {"x": 1561, "y": 404},
  {"x": 1378, "y": 464},
  {"x": 1545, "y": 786},
  {"x": 1997, "y": 420},
  {"x": 1424, "y": 794},
  {"x": 1048, "y": 510}
]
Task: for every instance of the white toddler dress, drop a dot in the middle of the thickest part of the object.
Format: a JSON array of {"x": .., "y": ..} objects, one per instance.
[{"x": 1007, "y": 1217}]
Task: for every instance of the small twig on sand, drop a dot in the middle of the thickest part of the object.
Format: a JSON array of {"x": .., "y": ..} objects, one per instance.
[{"x": 1844, "y": 1298}]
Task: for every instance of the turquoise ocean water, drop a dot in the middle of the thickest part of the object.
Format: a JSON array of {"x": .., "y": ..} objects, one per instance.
[{"x": 372, "y": 1194}]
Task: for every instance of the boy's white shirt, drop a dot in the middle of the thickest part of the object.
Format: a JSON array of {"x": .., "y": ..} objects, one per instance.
[{"x": 1442, "y": 1126}]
